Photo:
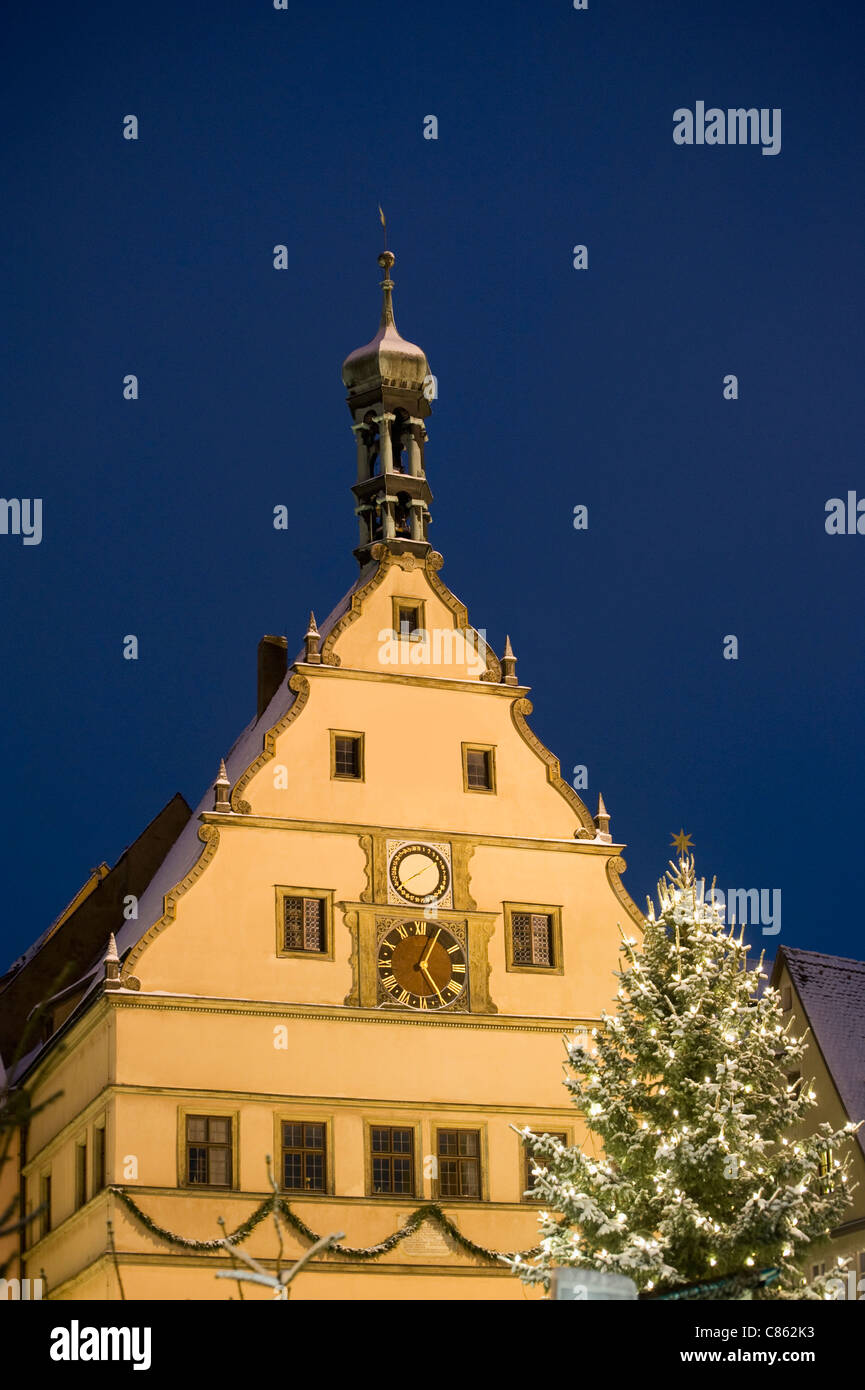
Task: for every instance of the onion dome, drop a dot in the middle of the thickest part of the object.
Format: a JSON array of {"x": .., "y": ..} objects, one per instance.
[{"x": 388, "y": 359}]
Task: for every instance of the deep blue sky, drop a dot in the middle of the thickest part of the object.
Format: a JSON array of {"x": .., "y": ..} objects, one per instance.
[{"x": 557, "y": 387}]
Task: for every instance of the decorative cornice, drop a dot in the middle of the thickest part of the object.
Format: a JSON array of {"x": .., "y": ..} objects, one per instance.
[
  {"x": 209, "y": 834},
  {"x": 520, "y": 710},
  {"x": 228, "y": 821},
  {"x": 615, "y": 867},
  {"x": 300, "y": 685},
  {"x": 507, "y": 1023}
]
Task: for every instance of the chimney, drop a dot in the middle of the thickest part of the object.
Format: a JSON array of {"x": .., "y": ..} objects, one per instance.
[{"x": 272, "y": 666}]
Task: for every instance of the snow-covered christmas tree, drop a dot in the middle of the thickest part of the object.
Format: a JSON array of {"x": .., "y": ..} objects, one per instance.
[{"x": 687, "y": 1105}]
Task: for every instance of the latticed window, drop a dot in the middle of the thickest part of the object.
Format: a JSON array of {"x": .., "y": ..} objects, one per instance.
[
  {"x": 532, "y": 934},
  {"x": 304, "y": 924},
  {"x": 532, "y": 1162},
  {"x": 303, "y": 1157},
  {"x": 208, "y": 1150},
  {"x": 392, "y": 1154},
  {"x": 459, "y": 1158}
]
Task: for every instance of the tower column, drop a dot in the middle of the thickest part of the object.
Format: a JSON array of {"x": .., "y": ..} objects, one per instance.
[
  {"x": 384, "y": 440},
  {"x": 414, "y": 458},
  {"x": 360, "y": 433}
]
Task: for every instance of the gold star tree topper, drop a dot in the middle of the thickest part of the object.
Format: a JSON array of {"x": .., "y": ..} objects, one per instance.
[{"x": 682, "y": 843}]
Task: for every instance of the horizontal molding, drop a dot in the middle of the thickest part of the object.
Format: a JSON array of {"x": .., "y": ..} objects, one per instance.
[
  {"x": 334, "y": 1013},
  {"x": 325, "y": 827}
]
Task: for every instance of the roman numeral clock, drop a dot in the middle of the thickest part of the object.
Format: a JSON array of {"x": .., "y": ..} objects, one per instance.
[{"x": 419, "y": 944}]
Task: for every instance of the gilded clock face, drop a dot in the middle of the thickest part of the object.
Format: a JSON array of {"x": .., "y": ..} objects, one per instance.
[
  {"x": 419, "y": 874},
  {"x": 422, "y": 965}
]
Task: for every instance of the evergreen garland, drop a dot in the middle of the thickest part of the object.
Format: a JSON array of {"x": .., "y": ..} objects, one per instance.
[{"x": 431, "y": 1211}]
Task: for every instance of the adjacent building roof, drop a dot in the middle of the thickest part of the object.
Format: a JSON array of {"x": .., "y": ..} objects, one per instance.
[{"x": 831, "y": 990}]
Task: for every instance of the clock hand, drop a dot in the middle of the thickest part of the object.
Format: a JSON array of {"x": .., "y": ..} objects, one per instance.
[
  {"x": 417, "y": 873},
  {"x": 432, "y": 981},
  {"x": 428, "y": 952}
]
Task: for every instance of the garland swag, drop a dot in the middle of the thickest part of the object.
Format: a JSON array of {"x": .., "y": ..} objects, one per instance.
[{"x": 431, "y": 1211}]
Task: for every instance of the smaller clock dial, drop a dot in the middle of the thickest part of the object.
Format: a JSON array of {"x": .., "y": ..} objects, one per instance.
[
  {"x": 422, "y": 965},
  {"x": 419, "y": 874}
]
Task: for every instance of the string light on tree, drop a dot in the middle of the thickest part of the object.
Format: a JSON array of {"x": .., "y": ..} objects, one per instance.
[{"x": 697, "y": 1179}]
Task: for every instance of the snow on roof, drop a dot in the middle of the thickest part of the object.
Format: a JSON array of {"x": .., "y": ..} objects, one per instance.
[{"x": 832, "y": 991}]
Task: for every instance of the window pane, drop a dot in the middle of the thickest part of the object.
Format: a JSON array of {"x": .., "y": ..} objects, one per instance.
[
  {"x": 314, "y": 1172},
  {"x": 380, "y": 1140},
  {"x": 477, "y": 768},
  {"x": 197, "y": 1164},
  {"x": 402, "y": 1141},
  {"x": 521, "y": 928},
  {"x": 468, "y": 1141},
  {"x": 314, "y": 1136},
  {"x": 469, "y": 1178},
  {"x": 293, "y": 924},
  {"x": 220, "y": 1131},
  {"x": 196, "y": 1128},
  {"x": 346, "y": 756},
  {"x": 402, "y": 1175},
  {"x": 313, "y": 924},
  {"x": 292, "y": 1170},
  {"x": 448, "y": 1142},
  {"x": 381, "y": 1175},
  {"x": 220, "y": 1167},
  {"x": 542, "y": 953},
  {"x": 292, "y": 1135},
  {"x": 449, "y": 1177}
]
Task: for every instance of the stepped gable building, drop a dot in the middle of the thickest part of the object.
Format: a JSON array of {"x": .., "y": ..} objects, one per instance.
[
  {"x": 826, "y": 995},
  {"x": 358, "y": 955}
]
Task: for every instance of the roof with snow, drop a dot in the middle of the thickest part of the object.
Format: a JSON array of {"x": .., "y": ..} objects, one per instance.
[{"x": 832, "y": 993}]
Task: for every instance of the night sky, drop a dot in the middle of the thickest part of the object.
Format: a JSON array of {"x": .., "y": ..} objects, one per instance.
[{"x": 557, "y": 387}]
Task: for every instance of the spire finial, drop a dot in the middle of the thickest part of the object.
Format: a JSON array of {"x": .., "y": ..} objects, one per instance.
[
  {"x": 386, "y": 260},
  {"x": 602, "y": 822},
  {"x": 509, "y": 664},
  {"x": 221, "y": 788},
  {"x": 111, "y": 964},
  {"x": 312, "y": 641}
]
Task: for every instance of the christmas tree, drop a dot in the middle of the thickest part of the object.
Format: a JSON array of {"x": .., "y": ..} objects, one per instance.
[{"x": 684, "y": 1091}]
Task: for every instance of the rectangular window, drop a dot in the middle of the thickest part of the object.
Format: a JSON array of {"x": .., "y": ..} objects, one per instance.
[
  {"x": 208, "y": 1150},
  {"x": 532, "y": 1162},
  {"x": 304, "y": 921},
  {"x": 408, "y": 619},
  {"x": 80, "y": 1174},
  {"x": 459, "y": 1160},
  {"x": 346, "y": 756},
  {"x": 303, "y": 1157},
  {"x": 98, "y": 1159},
  {"x": 45, "y": 1203},
  {"x": 392, "y": 1161},
  {"x": 479, "y": 768},
  {"x": 533, "y": 937}
]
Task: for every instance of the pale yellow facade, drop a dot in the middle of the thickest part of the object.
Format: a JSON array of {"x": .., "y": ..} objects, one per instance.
[{"x": 224, "y": 1023}]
